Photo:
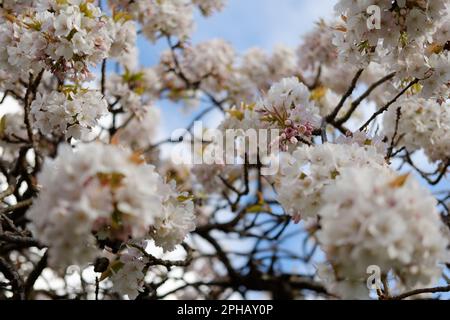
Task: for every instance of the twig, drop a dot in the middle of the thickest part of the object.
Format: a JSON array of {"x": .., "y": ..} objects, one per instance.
[
  {"x": 394, "y": 136},
  {"x": 19, "y": 205},
  {"x": 28, "y": 241},
  {"x": 16, "y": 282},
  {"x": 34, "y": 275},
  {"x": 334, "y": 113},
  {"x": 419, "y": 291},
  {"x": 103, "y": 79},
  {"x": 358, "y": 101},
  {"x": 386, "y": 107}
]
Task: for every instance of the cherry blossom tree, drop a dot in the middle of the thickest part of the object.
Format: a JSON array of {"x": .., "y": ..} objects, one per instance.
[{"x": 94, "y": 205}]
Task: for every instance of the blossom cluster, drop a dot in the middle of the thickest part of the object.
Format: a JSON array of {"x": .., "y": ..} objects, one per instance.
[
  {"x": 286, "y": 106},
  {"x": 371, "y": 216},
  {"x": 317, "y": 55},
  {"x": 134, "y": 89},
  {"x": 73, "y": 113},
  {"x": 127, "y": 273},
  {"x": 262, "y": 70},
  {"x": 104, "y": 195},
  {"x": 407, "y": 40},
  {"x": 420, "y": 124},
  {"x": 65, "y": 37},
  {"x": 317, "y": 48},
  {"x": 309, "y": 169}
]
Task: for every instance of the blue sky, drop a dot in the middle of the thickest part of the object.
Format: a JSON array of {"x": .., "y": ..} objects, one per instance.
[{"x": 263, "y": 23}]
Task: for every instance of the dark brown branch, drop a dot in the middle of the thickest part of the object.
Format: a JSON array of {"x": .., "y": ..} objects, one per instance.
[
  {"x": 35, "y": 273},
  {"x": 153, "y": 261},
  {"x": 17, "y": 206},
  {"x": 386, "y": 107},
  {"x": 103, "y": 79},
  {"x": 21, "y": 240},
  {"x": 16, "y": 282},
  {"x": 332, "y": 116},
  {"x": 358, "y": 101},
  {"x": 30, "y": 95},
  {"x": 441, "y": 171}
]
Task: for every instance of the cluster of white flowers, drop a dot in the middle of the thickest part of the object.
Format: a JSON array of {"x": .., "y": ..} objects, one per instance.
[
  {"x": 105, "y": 193},
  {"x": 305, "y": 173},
  {"x": 176, "y": 221},
  {"x": 371, "y": 216},
  {"x": 72, "y": 114},
  {"x": 65, "y": 37},
  {"x": 286, "y": 107},
  {"x": 423, "y": 124},
  {"x": 243, "y": 116},
  {"x": 442, "y": 35},
  {"x": 318, "y": 51},
  {"x": 289, "y": 99},
  {"x": 209, "y": 62},
  {"x": 134, "y": 90},
  {"x": 404, "y": 40},
  {"x": 159, "y": 18},
  {"x": 317, "y": 48},
  {"x": 127, "y": 273},
  {"x": 360, "y": 138},
  {"x": 256, "y": 71},
  {"x": 170, "y": 17},
  {"x": 437, "y": 80},
  {"x": 181, "y": 173},
  {"x": 123, "y": 48}
]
